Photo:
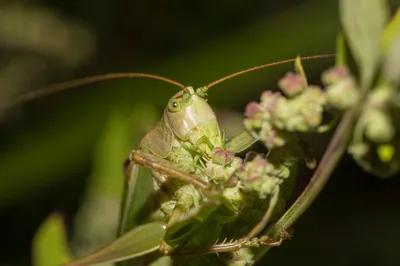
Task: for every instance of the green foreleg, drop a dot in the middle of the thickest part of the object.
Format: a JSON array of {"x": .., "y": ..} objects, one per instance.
[{"x": 241, "y": 142}]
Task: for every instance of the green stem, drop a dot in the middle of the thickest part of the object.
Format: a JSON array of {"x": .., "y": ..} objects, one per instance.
[{"x": 330, "y": 159}]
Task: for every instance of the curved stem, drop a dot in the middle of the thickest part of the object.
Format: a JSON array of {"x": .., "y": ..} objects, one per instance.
[{"x": 330, "y": 159}]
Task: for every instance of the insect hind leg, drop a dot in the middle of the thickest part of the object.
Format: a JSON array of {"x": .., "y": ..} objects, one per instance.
[
  {"x": 164, "y": 166},
  {"x": 231, "y": 246}
]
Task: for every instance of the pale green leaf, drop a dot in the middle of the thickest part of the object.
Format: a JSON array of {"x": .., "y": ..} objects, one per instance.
[
  {"x": 138, "y": 198},
  {"x": 104, "y": 192},
  {"x": 186, "y": 225},
  {"x": 140, "y": 241},
  {"x": 241, "y": 142},
  {"x": 363, "y": 22},
  {"x": 390, "y": 48},
  {"x": 391, "y": 30},
  {"x": 50, "y": 243}
]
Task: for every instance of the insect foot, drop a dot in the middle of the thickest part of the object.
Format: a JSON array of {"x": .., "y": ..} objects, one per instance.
[
  {"x": 265, "y": 240},
  {"x": 287, "y": 234}
]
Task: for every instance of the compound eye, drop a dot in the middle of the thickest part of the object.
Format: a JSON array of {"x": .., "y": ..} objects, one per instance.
[{"x": 174, "y": 105}]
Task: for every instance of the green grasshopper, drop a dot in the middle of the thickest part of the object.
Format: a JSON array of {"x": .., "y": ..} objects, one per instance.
[{"x": 194, "y": 169}]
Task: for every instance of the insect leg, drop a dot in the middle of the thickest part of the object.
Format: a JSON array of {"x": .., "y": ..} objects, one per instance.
[
  {"x": 241, "y": 142},
  {"x": 206, "y": 140},
  {"x": 160, "y": 178},
  {"x": 164, "y": 166},
  {"x": 183, "y": 205},
  {"x": 230, "y": 246},
  {"x": 173, "y": 171}
]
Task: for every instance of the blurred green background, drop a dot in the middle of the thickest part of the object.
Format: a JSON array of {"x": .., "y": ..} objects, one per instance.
[{"x": 65, "y": 152}]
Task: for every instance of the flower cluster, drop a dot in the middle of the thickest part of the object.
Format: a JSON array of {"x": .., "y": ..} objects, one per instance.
[
  {"x": 379, "y": 126},
  {"x": 341, "y": 89},
  {"x": 261, "y": 176},
  {"x": 375, "y": 141},
  {"x": 279, "y": 116},
  {"x": 374, "y": 138}
]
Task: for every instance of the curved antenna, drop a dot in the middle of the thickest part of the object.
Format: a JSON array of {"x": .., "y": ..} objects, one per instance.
[
  {"x": 264, "y": 66},
  {"x": 82, "y": 81}
]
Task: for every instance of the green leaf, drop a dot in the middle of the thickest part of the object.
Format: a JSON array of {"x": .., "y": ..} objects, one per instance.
[
  {"x": 50, "y": 243},
  {"x": 363, "y": 22},
  {"x": 104, "y": 189},
  {"x": 390, "y": 47},
  {"x": 162, "y": 261},
  {"x": 240, "y": 142},
  {"x": 391, "y": 30},
  {"x": 140, "y": 241},
  {"x": 183, "y": 228},
  {"x": 138, "y": 189},
  {"x": 138, "y": 198}
]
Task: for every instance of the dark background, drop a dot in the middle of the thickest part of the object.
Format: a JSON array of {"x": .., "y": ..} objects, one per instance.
[{"x": 52, "y": 148}]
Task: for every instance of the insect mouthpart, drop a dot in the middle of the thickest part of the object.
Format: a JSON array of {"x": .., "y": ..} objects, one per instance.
[
  {"x": 202, "y": 92},
  {"x": 187, "y": 97}
]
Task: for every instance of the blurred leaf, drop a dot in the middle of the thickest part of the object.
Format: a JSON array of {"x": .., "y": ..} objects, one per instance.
[
  {"x": 162, "y": 261},
  {"x": 138, "y": 191},
  {"x": 138, "y": 198},
  {"x": 50, "y": 243},
  {"x": 184, "y": 229},
  {"x": 391, "y": 31},
  {"x": 363, "y": 23},
  {"x": 391, "y": 69},
  {"x": 251, "y": 45},
  {"x": 142, "y": 240},
  {"x": 104, "y": 191},
  {"x": 391, "y": 44}
]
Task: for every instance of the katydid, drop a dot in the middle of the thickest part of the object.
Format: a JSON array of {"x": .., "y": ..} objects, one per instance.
[{"x": 194, "y": 168}]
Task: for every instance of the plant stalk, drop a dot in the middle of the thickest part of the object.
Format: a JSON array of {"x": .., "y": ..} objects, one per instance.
[{"x": 329, "y": 161}]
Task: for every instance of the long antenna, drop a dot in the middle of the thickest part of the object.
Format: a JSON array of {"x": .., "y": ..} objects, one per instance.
[
  {"x": 266, "y": 65},
  {"x": 82, "y": 81},
  {"x": 92, "y": 79}
]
